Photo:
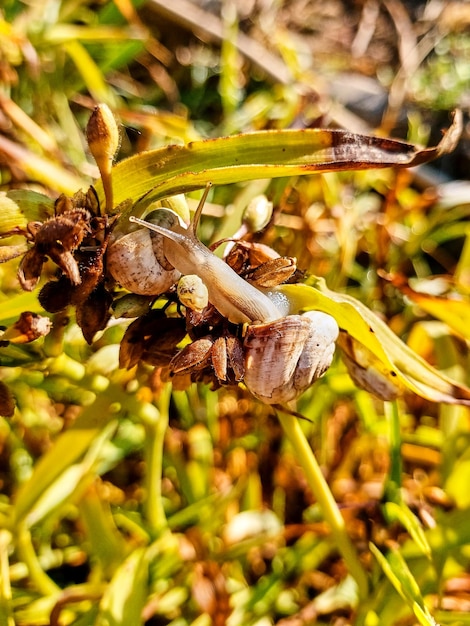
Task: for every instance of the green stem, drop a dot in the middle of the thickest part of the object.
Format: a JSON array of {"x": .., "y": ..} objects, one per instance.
[
  {"x": 45, "y": 585},
  {"x": 155, "y": 436},
  {"x": 6, "y": 608},
  {"x": 317, "y": 483},
  {"x": 393, "y": 417}
]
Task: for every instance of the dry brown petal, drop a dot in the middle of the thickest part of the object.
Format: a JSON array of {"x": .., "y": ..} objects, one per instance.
[
  {"x": 246, "y": 255},
  {"x": 93, "y": 314},
  {"x": 219, "y": 358},
  {"x": 64, "y": 204},
  {"x": 273, "y": 272},
  {"x": 30, "y": 269},
  {"x": 192, "y": 356},
  {"x": 161, "y": 348},
  {"x": 153, "y": 337},
  {"x": 67, "y": 263},
  {"x": 236, "y": 357}
]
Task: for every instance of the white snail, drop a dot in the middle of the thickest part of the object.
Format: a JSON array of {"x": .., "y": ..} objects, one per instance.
[
  {"x": 235, "y": 298},
  {"x": 285, "y": 357},
  {"x": 283, "y": 354}
]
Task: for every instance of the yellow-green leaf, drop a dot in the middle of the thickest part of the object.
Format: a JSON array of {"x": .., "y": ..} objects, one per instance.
[
  {"x": 364, "y": 326},
  {"x": 125, "y": 596},
  {"x": 397, "y": 571},
  {"x": 263, "y": 154}
]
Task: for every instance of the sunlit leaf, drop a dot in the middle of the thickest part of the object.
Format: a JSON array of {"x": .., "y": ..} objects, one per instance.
[
  {"x": 40, "y": 168},
  {"x": 125, "y": 596},
  {"x": 68, "y": 449},
  {"x": 453, "y": 311},
  {"x": 397, "y": 571},
  {"x": 400, "y": 512},
  {"x": 20, "y": 206},
  {"x": 263, "y": 154},
  {"x": 364, "y": 326},
  {"x": 76, "y": 476}
]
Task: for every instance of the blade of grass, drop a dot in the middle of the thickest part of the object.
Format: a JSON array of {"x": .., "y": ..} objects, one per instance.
[
  {"x": 155, "y": 430},
  {"x": 322, "y": 493},
  {"x": 6, "y": 610},
  {"x": 395, "y": 568}
]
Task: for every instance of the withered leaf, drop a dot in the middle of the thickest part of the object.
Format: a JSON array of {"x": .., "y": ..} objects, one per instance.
[{"x": 273, "y": 153}]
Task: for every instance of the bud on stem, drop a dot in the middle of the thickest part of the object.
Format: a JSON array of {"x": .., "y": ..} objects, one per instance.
[{"x": 102, "y": 133}]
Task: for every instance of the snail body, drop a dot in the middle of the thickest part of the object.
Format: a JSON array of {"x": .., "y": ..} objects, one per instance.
[{"x": 235, "y": 298}]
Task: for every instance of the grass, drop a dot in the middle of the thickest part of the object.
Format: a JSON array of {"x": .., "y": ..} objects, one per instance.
[{"x": 125, "y": 500}]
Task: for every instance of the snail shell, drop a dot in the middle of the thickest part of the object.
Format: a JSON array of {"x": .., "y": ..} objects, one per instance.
[
  {"x": 136, "y": 261},
  {"x": 132, "y": 262},
  {"x": 285, "y": 357}
]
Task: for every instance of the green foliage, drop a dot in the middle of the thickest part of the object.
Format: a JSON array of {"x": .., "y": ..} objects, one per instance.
[{"x": 125, "y": 501}]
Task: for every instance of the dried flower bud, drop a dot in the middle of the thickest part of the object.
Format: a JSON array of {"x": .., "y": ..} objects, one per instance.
[
  {"x": 102, "y": 134},
  {"x": 28, "y": 327}
]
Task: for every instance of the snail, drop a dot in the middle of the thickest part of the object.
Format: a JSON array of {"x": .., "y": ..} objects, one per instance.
[
  {"x": 283, "y": 354},
  {"x": 284, "y": 358},
  {"x": 235, "y": 298}
]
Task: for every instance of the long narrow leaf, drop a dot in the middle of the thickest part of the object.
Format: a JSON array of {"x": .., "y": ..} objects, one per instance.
[
  {"x": 395, "y": 568},
  {"x": 264, "y": 154},
  {"x": 397, "y": 358}
]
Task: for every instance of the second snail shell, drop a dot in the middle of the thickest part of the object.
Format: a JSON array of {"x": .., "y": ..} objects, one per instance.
[{"x": 132, "y": 262}]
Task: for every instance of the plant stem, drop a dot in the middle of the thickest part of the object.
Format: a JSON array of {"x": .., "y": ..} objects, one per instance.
[
  {"x": 6, "y": 609},
  {"x": 393, "y": 417},
  {"x": 317, "y": 483},
  {"x": 155, "y": 435},
  {"x": 45, "y": 585}
]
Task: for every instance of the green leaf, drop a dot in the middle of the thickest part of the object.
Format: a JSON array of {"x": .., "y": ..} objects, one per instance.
[
  {"x": 72, "y": 478},
  {"x": 400, "y": 512},
  {"x": 124, "y": 598},
  {"x": 67, "y": 451},
  {"x": 398, "y": 360},
  {"x": 395, "y": 568},
  {"x": 263, "y": 154}
]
